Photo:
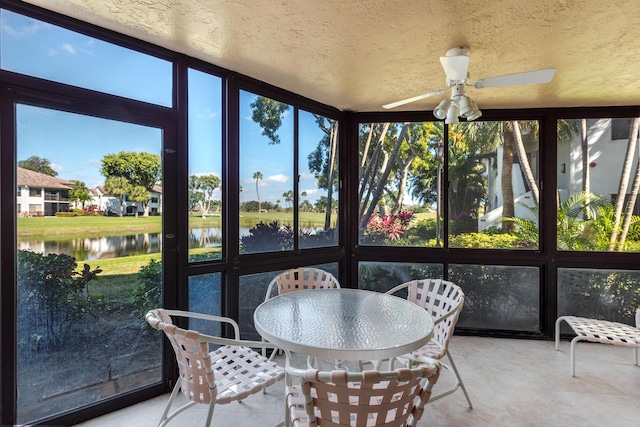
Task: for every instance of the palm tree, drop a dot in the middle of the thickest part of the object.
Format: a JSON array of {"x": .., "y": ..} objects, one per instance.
[
  {"x": 629, "y": 158},
  {"x": 258, "y": 176},
  {"x": 139, "y": 194},
  {"x": 118, "y": 186}
]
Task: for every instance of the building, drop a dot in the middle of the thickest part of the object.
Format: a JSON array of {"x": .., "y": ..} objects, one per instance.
[
  {"x": 110, "y": 204},
  {"x": 41, "y": 195}
]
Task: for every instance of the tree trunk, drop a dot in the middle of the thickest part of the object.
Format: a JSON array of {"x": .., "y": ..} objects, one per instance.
[
  {"x": 333, "y": 138},
  {"x": 377, "y": 194},
  {"x": 524, "y": 162},
  {"x": 508, "y": 207},
  {"x": 632, "y": 197},
  {"x": 624, "y": 181},
  {"x": 586, "y": 187},
  {"x": 403, "y": 184}
]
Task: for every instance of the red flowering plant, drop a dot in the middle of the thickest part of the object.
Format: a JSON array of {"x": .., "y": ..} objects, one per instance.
[{"x": 388, "y": 227}]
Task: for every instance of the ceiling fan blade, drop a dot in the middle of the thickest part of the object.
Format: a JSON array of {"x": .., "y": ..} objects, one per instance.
[
  {"x": 414, "y": 99},
  {"x": 527, "y": 78},
  {"x": 455, "y": 67}
]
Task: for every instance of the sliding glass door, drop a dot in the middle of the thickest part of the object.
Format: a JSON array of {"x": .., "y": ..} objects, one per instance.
[{"x": 89, "y": 204}]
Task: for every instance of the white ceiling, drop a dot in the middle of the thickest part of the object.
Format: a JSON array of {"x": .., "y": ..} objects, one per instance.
[{"x": 359, "y": 54}]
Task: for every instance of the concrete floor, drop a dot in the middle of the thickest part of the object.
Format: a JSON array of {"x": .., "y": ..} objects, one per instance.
[{"x": 510, "y": 382}]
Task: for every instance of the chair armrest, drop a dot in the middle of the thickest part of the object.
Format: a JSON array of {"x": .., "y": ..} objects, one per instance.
[
  {"x": 189, "y": 314},
  {"x": 236, "y": 343}
]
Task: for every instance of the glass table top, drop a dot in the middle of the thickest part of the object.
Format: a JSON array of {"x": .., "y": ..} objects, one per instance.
[{"x": 348, "y": 324}]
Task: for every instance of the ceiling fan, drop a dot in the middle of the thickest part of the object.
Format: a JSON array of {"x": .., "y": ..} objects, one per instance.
[{"x": 455, "y": 64}]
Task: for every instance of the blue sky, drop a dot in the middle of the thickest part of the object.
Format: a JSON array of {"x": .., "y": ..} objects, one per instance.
[{"x": 75, "y": 144}]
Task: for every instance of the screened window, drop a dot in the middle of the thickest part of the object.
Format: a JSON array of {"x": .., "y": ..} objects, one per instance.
[
  {"x": 400, "y": 191},
  {"x": 39, "y": 49},
  {"x": 205, "y": 166},
  {"x": 494, "y": 186},
  {"x": 598, "y": 208},
  {"x": 318, "y": 182},
  {"x": 266, "y": 174}
]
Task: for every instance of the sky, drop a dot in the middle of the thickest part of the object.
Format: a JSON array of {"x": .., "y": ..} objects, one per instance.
[{"x": 75, "y": 144}]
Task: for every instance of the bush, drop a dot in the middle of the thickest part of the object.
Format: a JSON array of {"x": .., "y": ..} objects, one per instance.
[
  {"x": 267, "y": 238},
  {"x": 484, "y": 241},
  {"x": 51, "y": 295},
  {"x": 390, "y": 227},
  {"x": 425, "y": 229},
  {"x": 148, "y": 293}
]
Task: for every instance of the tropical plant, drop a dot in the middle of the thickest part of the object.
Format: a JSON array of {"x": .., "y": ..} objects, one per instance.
[
  {"x": 51, "y": 294},
  {"x": 147, "y": 294},
  {"x": 267, "y": 238},
  {"x": 258, "y": 176},
  {"x": 79, "y": 193},
  {"x": 118, "y": 186},
  {"x": 391, "y": 227},
  {"x": 139, "y": 194}
]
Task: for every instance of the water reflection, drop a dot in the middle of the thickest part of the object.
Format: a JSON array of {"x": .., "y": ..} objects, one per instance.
[{"x": 95, "y": 248}]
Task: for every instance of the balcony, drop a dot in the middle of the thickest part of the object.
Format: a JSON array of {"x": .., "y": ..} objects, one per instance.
[{"x": 511, "y": 382}]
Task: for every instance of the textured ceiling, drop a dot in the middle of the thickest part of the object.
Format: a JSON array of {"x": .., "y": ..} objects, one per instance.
[{"x": 359, "y": 54}]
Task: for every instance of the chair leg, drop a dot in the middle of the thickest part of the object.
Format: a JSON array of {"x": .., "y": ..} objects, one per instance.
[
  {"x": 558, "y": 332},
  {"x": 455, "y": 371},
  {"x": 212, "y": 405},
  {"x": 166, "y": 416}
]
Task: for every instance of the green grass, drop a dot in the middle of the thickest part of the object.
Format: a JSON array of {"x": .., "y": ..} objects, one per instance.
[{"x": 50, "y": 227}]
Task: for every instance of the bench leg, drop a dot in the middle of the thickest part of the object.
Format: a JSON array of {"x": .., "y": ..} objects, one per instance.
[{"x": 558, "y": 331}]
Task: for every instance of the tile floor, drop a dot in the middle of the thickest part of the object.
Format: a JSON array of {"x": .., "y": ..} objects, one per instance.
[{"x": 511, "y": 383}]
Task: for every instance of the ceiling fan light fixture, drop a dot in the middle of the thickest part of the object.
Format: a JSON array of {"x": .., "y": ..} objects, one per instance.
[
  {"x": 441, "y": 110},
  {"x": 466, "y": 106},
  {"x": 452, "y": 114},
  {"x": 476, "y": 113}
]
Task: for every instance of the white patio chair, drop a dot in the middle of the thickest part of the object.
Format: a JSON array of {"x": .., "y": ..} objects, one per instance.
[
  {"x": 230, "y": 372},
  {"x": 443, "y": 300},
  {"x": 371, "y": 398},
  {"x": 602, "y": 332},
  {"x": 302, "y": 279}
]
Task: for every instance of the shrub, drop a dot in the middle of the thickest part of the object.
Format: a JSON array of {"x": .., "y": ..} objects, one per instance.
[
  {"x": 267, "y": 238},
  {"x": 148, "y": 293},
  {"x": 390, "y": 227},
  {"x": 51, "y": 295},
  {"x": 320, "y": 238},
  {"x": 484, "y": 241},
  {"x": 425, "y": 229}
]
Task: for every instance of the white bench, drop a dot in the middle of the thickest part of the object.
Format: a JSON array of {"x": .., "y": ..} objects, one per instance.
[{"x": 603, "y": 332}]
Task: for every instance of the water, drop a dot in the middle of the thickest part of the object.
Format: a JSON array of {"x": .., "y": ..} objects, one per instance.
[{"x": 95, "y": 248}]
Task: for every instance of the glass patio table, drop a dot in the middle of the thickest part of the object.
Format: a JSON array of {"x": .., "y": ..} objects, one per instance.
[{"x": 344, "y": 324}]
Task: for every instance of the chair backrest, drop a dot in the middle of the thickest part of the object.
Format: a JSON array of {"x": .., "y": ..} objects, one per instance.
[
  {"x": 442, "y": 299},
  {"x": 304, "y": 278},
  {"x": 369, "y": 398},
  {"x": 197, "y": 377}
]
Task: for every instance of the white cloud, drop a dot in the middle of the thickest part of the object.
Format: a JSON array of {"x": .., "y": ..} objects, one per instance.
[
  {"x": 280, "y": 178},
  {"x": 57, "y": 167},
  {"x": 310, "y": 192},
  {"x": 67, "y": 47},
  {"x": 306, "y": 175}
]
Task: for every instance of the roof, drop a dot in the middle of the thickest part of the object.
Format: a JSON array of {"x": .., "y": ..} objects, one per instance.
[
  {"x": 360, "y": 54},
  {"x": 29, "y": 178}
]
